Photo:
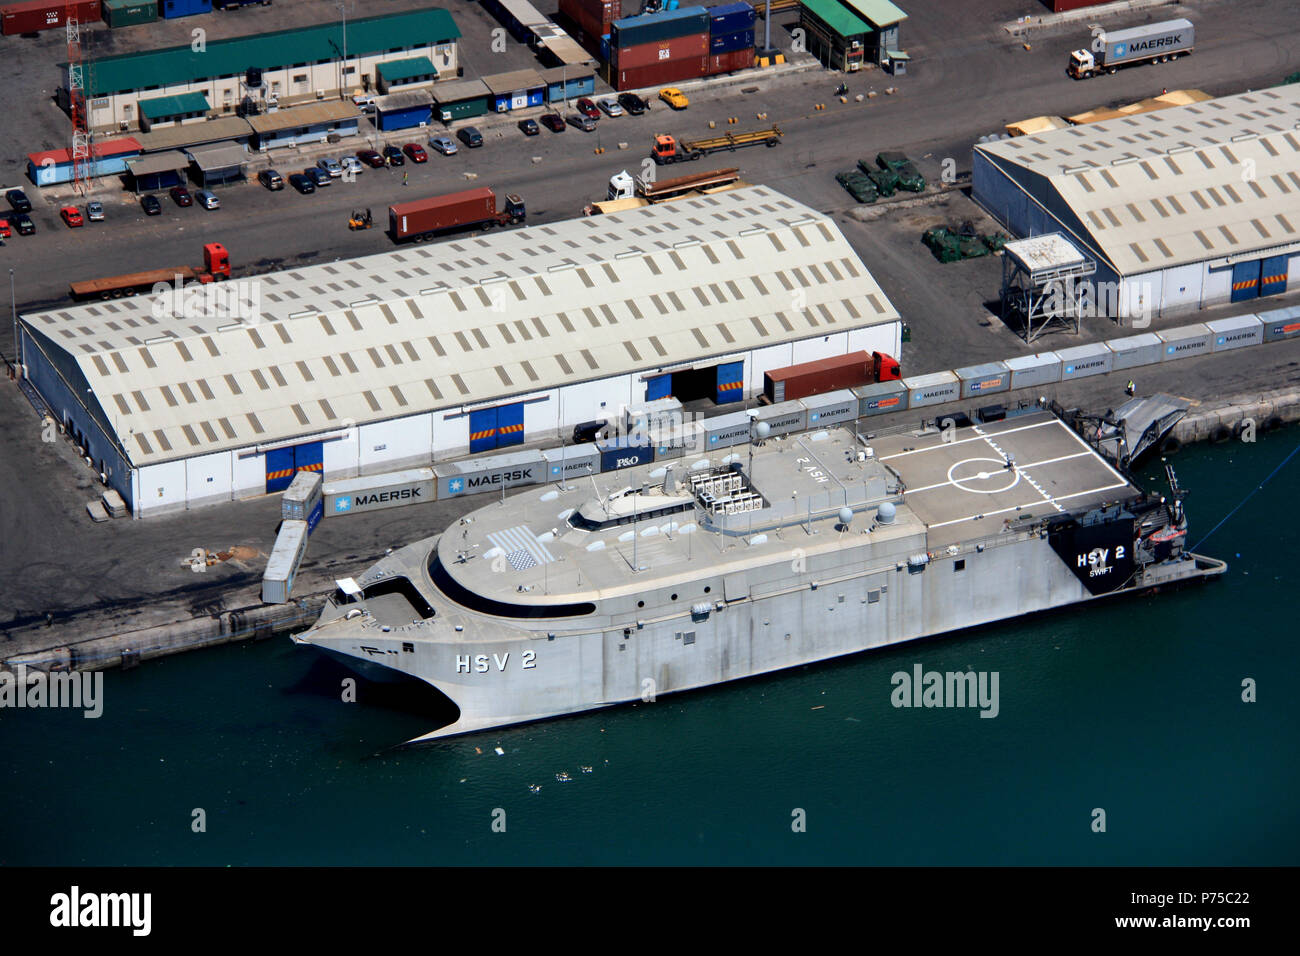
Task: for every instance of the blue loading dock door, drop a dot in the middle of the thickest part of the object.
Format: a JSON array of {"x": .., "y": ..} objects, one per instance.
[
  {"x": 283, "y": 463},
  {"x": 731, "y": 380},
  {"x": 1245, "y": 280},
  {"x": 510, "y": 425},
  {"x": 482, "y": 430},
  {"x": 660, "y": 386},
  {"x": 1272, "y": 279}
]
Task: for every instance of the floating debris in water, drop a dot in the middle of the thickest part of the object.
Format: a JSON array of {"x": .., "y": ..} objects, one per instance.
[
  {"x": 500, "y": 752},
  {"x": 820, "y": 707},
  {"x": 534, "y": 787},
  {"x": 563, "y": 777},
  {"x": 585, "y": 769}
]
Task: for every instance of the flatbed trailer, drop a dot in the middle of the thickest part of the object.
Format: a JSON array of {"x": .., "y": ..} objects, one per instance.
[
  {"x": 216, "y": 266},
  {"x": 668, "y": 149}
]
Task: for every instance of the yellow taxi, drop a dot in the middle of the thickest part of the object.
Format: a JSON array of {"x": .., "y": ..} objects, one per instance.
[{"x": 674, "y": 98}]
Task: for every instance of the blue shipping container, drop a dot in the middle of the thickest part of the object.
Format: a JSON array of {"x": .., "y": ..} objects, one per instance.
[
  {"x": 731, "y": 17},
  {"x": 620, "y": 454},
  {"x": 730, "y": 42},
  {"x": 185, "y": 8},
  {"x": 657, "y": 27},
  {"x": 313, "y": 519}
]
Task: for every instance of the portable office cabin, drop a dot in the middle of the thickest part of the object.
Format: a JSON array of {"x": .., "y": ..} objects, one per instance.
[
  {"x": 405, "y": 110},
  {"x": 515, "y": 90}
]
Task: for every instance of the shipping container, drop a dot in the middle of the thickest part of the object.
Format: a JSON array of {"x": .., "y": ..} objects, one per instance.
[
  {"x": 1084, "y": 360},
  {"x": 608, "y": 10},
  {"x": 830, "y": 408},
  {"x": 313, "y": 519},
  {"x": 171, "y": 9},
  {"x": 1060, "y": 6},
  {"x": 723, "y": 431},
  {"x": 730, "y": 62},
  {"x": 1134, "y": 350},
  {"x": 881, "y": 397},
  {"x": 731, "y": 17},
  {"x": 620, "y": 453},
  {"x": 571, "y": 461},
  {"x": 591, "y": 25},
  {"x": 376, "y": 492},
  {"x": 491, "y": 473},
  {"x": 1185, "y": 342},
  {"x": 424, "y": 217},
  {"x": 36, "y": 15},
  {"x": 633, "y": 57},
  {"x": 1030, "y": 370},
  {"x": 686, "y": 439},
  {"x": 282, "y": 567},
  {"x": 1236, "y": 332},
  {"x": 301, "y": 497},
  {"x": 1281, "y": 323},
  {"x": 125, "y": 13},
  {"x": 657, "y": 413},
  {"x": 784, "y": 418},
  {"x": 660, "y": 74},
  {"x": 659, "y": 26},
  {"x": 823, "y": 375},
  {"x": 977, "y": 380},
  {"x": 730, "y": 42},
  {"x": 933, "y": 389}
]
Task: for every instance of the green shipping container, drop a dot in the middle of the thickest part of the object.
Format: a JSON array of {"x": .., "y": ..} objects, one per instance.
[{"x": 125, "y": 13}]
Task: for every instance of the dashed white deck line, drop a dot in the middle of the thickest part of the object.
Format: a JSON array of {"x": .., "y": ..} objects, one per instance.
[
  {"x": 1020, "y": 468},
  {"x": 962, "y": 441},
  {"x": 1024, "y": 470},
  {"x": 989, "y": 514}
]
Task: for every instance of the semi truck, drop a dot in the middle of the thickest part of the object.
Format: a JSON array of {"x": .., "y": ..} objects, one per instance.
[
  {"x": 423, "y": 219},
  {"x": 216, "y": 266},
  {"x": 828, "y": 375},
  {"x": 629, "y": 192},
  {"x": 1153, "y": 43},
  {"x": 668, "y": 149}
]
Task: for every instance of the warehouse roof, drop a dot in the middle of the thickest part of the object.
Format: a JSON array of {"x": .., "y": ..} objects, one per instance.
[
  {"x": 451, "y": 91},
  {"x": 167, "y": 162},
  {"x": 466, "y": 320},
  {"x": 216, "y": 156},
  {"x": 191, "y": 134},
  {"x": 415, "y": 67},
  {"x": 174, "y": 105},
  {"x": 124, "y": 146},
  {"x": 837, "y": 16},
  {"x": 312, "y": 114},
  {"x": 1181, "y": 185},
  {"x": 879, "y": 13},
  {"x": 405, "y": 100},
  {"x": 316, "y": 44},
  {"x": 513, "y": 81}
]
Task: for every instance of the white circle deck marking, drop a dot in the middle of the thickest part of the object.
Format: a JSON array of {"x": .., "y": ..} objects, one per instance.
[{"x": 983, "y": 476}]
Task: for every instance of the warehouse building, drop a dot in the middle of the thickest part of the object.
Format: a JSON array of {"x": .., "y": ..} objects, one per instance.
[
  {"x": 414, "y": 356},
  {"x": 1181, "y": 208},
  {"x": 107, "y": 158},
  {"x": 180, "y": 84},
  {"x": 845, "y": 34}
]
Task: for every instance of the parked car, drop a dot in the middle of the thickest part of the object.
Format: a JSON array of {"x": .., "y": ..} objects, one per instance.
[
  {"x": 584, "y": 123},
  {"x": 18, "y": 200},
  {"x": 151, "y": 205},
  {"x": 529, "y": 127},
  {"x": 23, "y": 223},
  {"x": 208, "y": 199},
  {"x": 351, "y": 164},
  {"x": 270, "y": 179},
  {"x": 471, "y": 137},
  {"x": 674, "y": 97},
  {"x": 95, "y": 211},
  {"x": 553, "y": 122},
  {"x": 589, "y": 431},
  {"x": 330, "y": 166},
  {"x": 610, "y": 106},
  {"x": 415, "y": 152},
  {"x": 302, "y": 183},
  {"x": 587, "y": 108},
  {"x": 393, "y": 156},
  {"x": 72, "y": 216},
  {"x": 5, "y": 231},
  {"x": 364, "y": 102},
  {"x": 317, "y": 175},
  {"x": 181, "y": 196},
  {"x": 444, "y": 144},
  {"x": 370, "y": 158},
  {"x": 632, "y": 103}
]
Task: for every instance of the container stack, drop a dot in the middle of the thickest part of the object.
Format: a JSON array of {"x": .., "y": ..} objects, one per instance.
[
  {"x": 32, "y": 16},
  {"x": 659, "y": 48},
  {"x": 171, "y": 9},
  {"x": 303, "y": 500},
  {"x": 731, "y": 38},
  {"x": 590, "y": 21}
]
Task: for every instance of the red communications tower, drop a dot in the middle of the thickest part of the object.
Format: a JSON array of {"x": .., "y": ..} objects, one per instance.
[{"x": 77, "y": 107}]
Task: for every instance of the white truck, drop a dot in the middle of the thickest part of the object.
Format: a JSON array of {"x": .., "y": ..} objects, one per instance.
[{"x": 1153, "y": 43}]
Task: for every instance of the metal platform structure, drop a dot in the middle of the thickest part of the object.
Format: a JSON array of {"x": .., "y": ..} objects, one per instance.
[{"x": 1041, "y": 282}]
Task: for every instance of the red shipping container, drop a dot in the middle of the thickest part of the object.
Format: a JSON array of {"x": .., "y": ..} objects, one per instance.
[
  {"x": 730, "y": 62},
  {"x": 35, "y": 15},
  {"x": 822, "y": 375},
  {"x": 644, "y": 54},
  {"x": 607, "y": 10},
  {"x": 441, "y": 212},
  {"x": 1059, "y": 6},
  {"x": 590, "y": 26},
  {"x": 660, "y": 74}
]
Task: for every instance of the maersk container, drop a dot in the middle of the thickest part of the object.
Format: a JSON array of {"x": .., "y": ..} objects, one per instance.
[
  {"x": 977, "y": 380},
  {"x": 667, "y": 25},
  {"x": 491, "y": 473},
  {"x": 571, "y": 461},
  {"x": 657, "y": 413},
  {"x": 185, "y": 8},
  {"x": 1185, "y": 342},
  {"x": 660, "y": 51},
  {"x": 282, "y": 567},
  {"x": 730, "y": 42},
  {"x": 685, "y": 439},
  {"x": 1030, "y": 370},
  {"x": 783, "y": 418},
  {"x": 1281, "y": 323},
  {"x": 730, "y": 62},
  {"x": 830, "y": 408},
  {"x": 1152, "y": 39},
  {"x": 731, "y": 17},
  {"x": 1236, "y": 332},
  {"x": 376, "y": 492},
  {"x": 125, "y": 13},
  {"x": 881, "y": 397},
  {"x": 723, "y": 431},
  {"x": 619, "y": 453},
  {"x": 37, "y": 15},
  {"x": 933, "y": 389},
  {"x": 1084, "y": 360},
  {"x": 1135, "y": 350},
  {"x": 301, "y": 497}
]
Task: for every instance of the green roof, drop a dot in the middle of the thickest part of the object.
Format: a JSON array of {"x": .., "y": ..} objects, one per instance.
[
  {"x": 180, "y": 64},
  {"x": 879, "y": 13},
  {"x": 174, "y": 105},
  {"x": 395, "y": 71},
  {"x": 837, "y": 16}
]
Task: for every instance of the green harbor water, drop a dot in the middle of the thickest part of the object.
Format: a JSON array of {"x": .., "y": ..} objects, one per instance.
[{"x": 1133, "y": 706}]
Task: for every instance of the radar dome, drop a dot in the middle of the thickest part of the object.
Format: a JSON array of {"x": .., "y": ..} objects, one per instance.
[
  {"x": 885, "y": 513},
  {"x": 846, "y": 516}
]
